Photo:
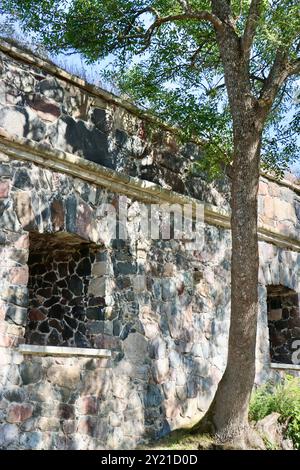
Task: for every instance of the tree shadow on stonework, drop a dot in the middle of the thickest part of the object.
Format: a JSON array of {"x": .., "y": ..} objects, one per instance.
[{"x": 168, "y": 404}]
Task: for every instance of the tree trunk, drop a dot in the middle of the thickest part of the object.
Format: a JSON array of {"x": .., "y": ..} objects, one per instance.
[{"x": 227, "y": 416}]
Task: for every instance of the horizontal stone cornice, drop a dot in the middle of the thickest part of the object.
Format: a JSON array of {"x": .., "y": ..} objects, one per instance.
[{"x": 59, "y": 161}]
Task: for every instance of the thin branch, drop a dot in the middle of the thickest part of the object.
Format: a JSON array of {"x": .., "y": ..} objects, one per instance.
[
  {"x": 258, "y": 79},
  {"x": 191, "y": 15},
  {"x": 185, "y": 5},
  {"x": 279, "y": 72},
  {"x": 294, "y": 68},
  {"x": 251, "y": 26}
]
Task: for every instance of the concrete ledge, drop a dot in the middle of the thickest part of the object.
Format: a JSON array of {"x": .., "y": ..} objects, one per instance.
[
  {"x": 275, "y": 365},
  {"x": 62, "y": 351}
]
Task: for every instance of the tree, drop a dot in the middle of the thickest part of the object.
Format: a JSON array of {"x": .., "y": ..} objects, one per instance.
[{"x": 226, "y": 68}]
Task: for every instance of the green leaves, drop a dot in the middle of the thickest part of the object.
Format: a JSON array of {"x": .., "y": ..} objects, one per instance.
[
  {"x": 174, "y": 68},
  {"x": 283, "y": 398}
]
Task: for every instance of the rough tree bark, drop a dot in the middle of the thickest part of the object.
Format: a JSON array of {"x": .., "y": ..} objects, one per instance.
[{"x": 227, "y": 416}]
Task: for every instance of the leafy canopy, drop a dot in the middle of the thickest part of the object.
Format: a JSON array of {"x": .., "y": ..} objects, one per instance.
[{"x": 168, "y": 60}]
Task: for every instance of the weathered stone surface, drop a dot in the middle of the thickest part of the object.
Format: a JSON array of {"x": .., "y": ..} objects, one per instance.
[
  {"x": 161, "y": 309},
  {"x": 30, "y": 372},
  {"x": 24, "y": 210},
  {"x": 8, "y": 434},
  {"x": 19, "y": 412},
  {"x": 4, "y": 189},
  {"x": 17, "y": 314},
  {"x": 57, "y": 214},
  {"x": 68, "y": 378}
]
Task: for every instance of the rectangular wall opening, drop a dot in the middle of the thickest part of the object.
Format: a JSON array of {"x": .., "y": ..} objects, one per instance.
[
  {"x": 62, "y": 309},
  {"x": 283, "y": 322}
]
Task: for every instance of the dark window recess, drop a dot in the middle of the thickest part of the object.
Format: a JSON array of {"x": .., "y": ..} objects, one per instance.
[
  {"x": 283, "y": 322},
  {"x": 62, "y": 311}
]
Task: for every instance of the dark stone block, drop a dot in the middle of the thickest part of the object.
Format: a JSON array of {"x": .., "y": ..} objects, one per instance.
[
  {"x": 95, "y": 313},
  {"x": 99, "y": 119},
  {"x": 66, "y": 411},
  {"x": 163, "y": 431},
  {"x": 81, "y": 341},
  {"x": 77, "y": 302},
  {"x": 50, "y": 277},
  {"x": 17, "y": 315},
  {"x": 126, "y": 330},
  {"x": 91, "y": 144},
  {"x": 117, "y": 327},
  {"x": 52, "y": 301},
  {"x": 30, "y": 373},
  {"x": 45, "y": 292},
  {"x": 72, "y": 323},
  {"x": 37, "y": 269},
  {"x": 78, "y": 311},
  {"x": 62, "y": 284},
  {"x": 55, "y": 324},
  {"x": 44, "y": 327},
  {"x": 71, "y": 213},
  {"x": 15, "y": 395},
  {"x": 5, "y": 170},
  {"x": 37, "y": 338},
  {"x": 57, "y": 311},
  {"x": 75, "y": 285},
  {"x": 71, "y": 267},
  {"x": 67, "y": 333},
  {"x": 54, "y": 338},
  {"x": 84, "y": 267},
  {"x": 125, "y": 268},
  {"x": 96, "y": 302},
  {"x": 123, "y": 282},
  {"x": 63, "y": 269},
  {"x": 153, "y": 396},
  {"x": 67, "y": 294}
]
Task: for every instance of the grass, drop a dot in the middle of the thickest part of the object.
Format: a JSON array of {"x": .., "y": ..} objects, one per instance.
[
  {"x": 284, "y": 399},
  {"x": 181, "y": 439}
]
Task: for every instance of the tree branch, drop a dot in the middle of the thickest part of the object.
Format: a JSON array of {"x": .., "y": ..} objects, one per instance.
[
  {"x": 294, "y": 68},
  {"x": 280, "y": 71},
  {"x": 159, "y": 21},
  {"x": 251, "y": 26},
  {"x": 191, "y": 15}
]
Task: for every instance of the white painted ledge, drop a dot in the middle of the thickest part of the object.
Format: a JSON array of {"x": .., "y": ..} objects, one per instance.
[
  {"x": 275, "y": 365},
  {"x": 62, "y": 351}
]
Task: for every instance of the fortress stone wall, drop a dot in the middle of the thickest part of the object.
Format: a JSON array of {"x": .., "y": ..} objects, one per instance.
[{"x": 107, "y": 342}]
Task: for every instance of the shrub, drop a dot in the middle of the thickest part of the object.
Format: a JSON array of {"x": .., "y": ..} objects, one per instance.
[{"x": 283, "y": 398}]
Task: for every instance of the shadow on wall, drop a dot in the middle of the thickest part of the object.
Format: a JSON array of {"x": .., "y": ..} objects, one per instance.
[{"x": 165, "y": 323}]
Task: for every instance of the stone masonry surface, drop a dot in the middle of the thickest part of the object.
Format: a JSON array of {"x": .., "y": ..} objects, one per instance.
[{"x": 160, "y": 308}]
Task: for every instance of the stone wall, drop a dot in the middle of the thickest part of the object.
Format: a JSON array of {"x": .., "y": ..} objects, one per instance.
[
  {"x": 86, "y": 122},
  {"x": 160, "y": 308},
  {"x": 164, "y": 316}
]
